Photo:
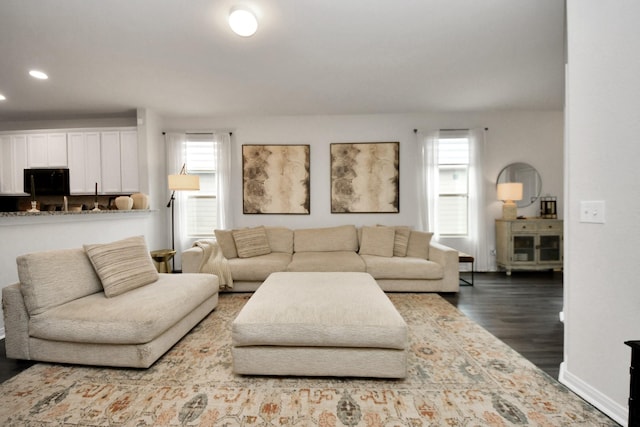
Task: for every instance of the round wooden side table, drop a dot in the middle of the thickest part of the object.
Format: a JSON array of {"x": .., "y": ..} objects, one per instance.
[{"x": 162, "y": 258}]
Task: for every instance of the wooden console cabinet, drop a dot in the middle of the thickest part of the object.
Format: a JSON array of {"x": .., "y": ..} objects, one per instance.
[{"x": 529, "y": 244}]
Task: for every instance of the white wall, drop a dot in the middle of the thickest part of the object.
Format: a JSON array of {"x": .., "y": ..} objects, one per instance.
[
  {"x": 533, "y": 137},
  {"x": 602, "y": 297}
]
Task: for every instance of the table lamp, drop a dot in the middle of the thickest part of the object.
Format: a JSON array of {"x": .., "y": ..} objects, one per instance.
[{"x": 509, "y": 192}]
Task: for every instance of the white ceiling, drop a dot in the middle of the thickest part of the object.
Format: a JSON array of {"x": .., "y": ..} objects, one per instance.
[{"x": 179, "y": 57}]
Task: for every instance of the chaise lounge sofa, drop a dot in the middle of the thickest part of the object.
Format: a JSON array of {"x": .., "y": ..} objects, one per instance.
[
  {"x": 101, "y": 305},
  {"x": 400, "y": 259}
]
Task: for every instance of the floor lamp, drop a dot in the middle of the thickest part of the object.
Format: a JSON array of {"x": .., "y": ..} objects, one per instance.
[{"x": 180, "y": 182}]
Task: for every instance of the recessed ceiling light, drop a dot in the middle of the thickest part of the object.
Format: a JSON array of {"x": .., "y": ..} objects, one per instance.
[
  {"x": 2, "y": 97},
  {"x": 243, "y": 22},
  {"x": 38, "y": 74}
]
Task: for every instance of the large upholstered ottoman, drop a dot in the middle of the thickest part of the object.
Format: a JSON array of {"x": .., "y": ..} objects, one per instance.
[{"x": 320, "y": 324}]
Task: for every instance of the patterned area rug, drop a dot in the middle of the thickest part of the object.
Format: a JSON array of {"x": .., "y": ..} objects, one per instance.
[{"x": 459, "y": 375}]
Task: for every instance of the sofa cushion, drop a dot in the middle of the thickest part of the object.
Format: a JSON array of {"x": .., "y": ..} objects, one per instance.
[
  {"x": 418, "y": 245},
  {"x": 251, "y": 242},
  {"x": 226, "y": 243},
  {"x": 120, "y": 320},
  {"x": 346, "y": 310},
  {"x": 377, "y": 241},
  {"x": 402, "y": 268},
  {"x": 329, "y": 239},
  {"x": 122, "y": 265},
  {"x": 280, "y": 239},
  {"x": 326, "y": 261},
  {"x": 259, "y": 267},
  {"x": 51, "y": 278},
  {"x": 401, "y": 240}
]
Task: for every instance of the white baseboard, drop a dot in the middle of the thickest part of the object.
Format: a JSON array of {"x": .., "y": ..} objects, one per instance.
[{"x": 612, "y": 409}]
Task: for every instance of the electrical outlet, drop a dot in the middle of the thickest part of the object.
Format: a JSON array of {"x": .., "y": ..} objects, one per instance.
[{"x": 592, "y": 211}]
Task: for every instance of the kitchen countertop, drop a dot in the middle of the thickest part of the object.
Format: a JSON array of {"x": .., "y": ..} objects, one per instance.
[
  {"x": 59, "y": 217},
  {"x": 64, "y": 213}
]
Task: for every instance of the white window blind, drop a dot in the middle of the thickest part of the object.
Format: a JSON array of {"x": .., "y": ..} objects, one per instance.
[
  {"x": 453, "y": 185},
  {"x": 201, "y": 205}
]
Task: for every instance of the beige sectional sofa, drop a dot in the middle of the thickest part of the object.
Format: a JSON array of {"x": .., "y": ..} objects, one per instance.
[
  {"x": 400, "y": 259},
  {"x": 101, "y": 305}
]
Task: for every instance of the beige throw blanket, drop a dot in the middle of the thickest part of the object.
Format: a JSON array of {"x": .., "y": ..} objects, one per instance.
[{"x": 215, "y": 263}]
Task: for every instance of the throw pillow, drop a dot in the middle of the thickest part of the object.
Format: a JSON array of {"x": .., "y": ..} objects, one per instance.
[
  {"x": 226, "y": 243},
  {"x": 251, "y": 242},
  {"x": 122, "y": 265},
  {"x": 400, "y": 240},
  {"x": 418, "y": 246},
  {"x": 377, "y": 241}
]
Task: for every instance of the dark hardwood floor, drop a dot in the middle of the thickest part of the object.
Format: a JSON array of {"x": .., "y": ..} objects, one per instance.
[{"x": 522, "y": 310}]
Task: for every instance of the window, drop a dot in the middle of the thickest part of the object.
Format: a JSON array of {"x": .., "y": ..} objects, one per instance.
[
  {"x": 201, "y": 206},
  {"x": 452, "y": 205}
]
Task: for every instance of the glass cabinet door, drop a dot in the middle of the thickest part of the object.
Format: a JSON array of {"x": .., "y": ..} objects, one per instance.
[
  {"x": 524, "y": 248},
  {"x": 550, "y": 248}
]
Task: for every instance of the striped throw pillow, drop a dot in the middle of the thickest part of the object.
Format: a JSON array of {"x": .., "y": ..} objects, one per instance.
[
  {"x": 251, "y": 242},
  {"x": 122, "y": 265}
]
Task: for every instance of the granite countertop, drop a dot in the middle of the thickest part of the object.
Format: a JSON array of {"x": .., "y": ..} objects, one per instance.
[{"x": 64, "y": 213}]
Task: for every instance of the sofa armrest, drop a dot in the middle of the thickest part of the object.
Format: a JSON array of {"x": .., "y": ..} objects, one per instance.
[
  {"x": 193, "y": 258},
  {"x": 448, "y": 258},
  {"x": 16, "y": 323}
]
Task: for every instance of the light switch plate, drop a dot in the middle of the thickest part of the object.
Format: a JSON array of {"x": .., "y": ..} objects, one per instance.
[{"x": 592, "y": 211}]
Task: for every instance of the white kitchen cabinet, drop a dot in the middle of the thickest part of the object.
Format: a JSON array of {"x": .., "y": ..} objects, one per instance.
[
  {"x": 107, "y": 157},
  {"x": 84, "y": 162},
  {"x": 119, "y": 162},
  {"x": 129, "y": 161},
  {"x": 47, "y": 150},
  {"x": 110, "y": 162},
  {"x": 13, "y": 161}
]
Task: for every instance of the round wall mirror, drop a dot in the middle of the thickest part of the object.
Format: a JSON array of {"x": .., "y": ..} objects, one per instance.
[{"x": 528, "y": 176}]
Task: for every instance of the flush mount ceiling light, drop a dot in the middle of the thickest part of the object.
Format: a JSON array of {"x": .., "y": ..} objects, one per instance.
[
  {"x": 243, "y": 22},
  {"x": 38, "y": 75},
  {"x": 2, "y": 97}
]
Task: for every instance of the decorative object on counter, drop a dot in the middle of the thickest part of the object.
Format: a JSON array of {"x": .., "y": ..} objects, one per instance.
[
  {"x": 180, "y": 182},
  {"x": 34, "y": 207},
  {"x": 33, "y": 190},
  {"x": 123, "y": 203},
  {"x": 96, "y": 207},
  {"x": 509, "y": 192},
  {"x": 548, "y": 207},
  {"x": 34, "y": 203},
  {"x": 65, "y": 203},
  {"x": 140, "y": 201}
]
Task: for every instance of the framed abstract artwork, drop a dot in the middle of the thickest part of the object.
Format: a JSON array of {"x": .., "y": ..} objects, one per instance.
[
  {"x": 275, "y": 179},
  {"x": 365, "y": 177}
]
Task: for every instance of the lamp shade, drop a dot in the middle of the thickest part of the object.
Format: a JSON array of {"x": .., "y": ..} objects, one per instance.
[
  {"x": 184, "y": 182},
  {"x": 510, "y": 191}
]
